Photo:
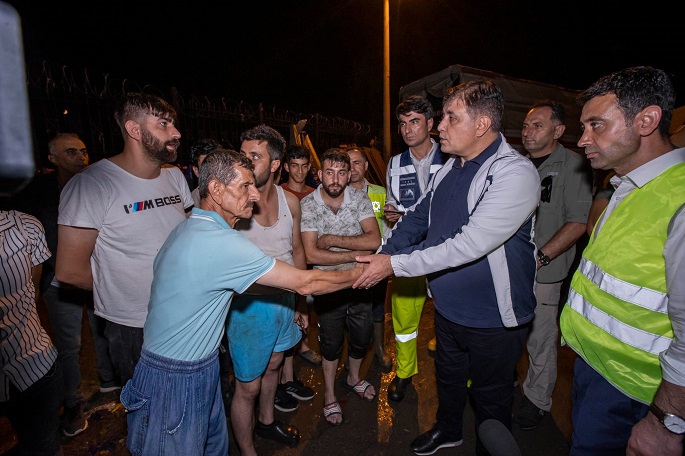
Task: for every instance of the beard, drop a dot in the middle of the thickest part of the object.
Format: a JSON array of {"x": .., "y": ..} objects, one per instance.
[
  {"x": 261, "y": 180},
  {"x": 356, "y": 178},
  {"x": 156, "y": 150},
  {"x": 333, "y": 193}
]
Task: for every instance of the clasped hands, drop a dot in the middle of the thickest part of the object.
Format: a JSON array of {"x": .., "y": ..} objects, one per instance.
[{"x": 376, "y": 268}]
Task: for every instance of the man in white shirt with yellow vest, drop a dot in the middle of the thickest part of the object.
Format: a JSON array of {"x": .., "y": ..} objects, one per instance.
[
  {"x": 625, "y": 315},
  {"x": 359, "y": 165}
]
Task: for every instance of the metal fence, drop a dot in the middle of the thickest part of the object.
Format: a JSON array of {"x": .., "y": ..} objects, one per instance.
[{"x": 64, "y": 99}]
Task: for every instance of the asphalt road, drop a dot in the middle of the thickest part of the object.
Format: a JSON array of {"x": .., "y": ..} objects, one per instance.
[{"x": 370, "y": 428}]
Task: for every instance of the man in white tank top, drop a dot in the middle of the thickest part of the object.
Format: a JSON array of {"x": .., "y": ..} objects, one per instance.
[{"x": 261, "y": 327}]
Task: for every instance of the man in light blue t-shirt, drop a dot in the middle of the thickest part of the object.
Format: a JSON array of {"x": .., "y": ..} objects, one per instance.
[{"x": 203, "y": 262}]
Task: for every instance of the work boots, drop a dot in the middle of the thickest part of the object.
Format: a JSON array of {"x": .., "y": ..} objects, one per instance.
[{"x": 379, "y": 345}]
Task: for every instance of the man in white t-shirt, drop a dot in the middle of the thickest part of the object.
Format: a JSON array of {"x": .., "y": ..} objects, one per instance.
[{"x": 116, "y": 214}]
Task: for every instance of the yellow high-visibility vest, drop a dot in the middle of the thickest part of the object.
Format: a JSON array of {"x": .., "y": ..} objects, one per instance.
[{"x": 616, "y": 313}]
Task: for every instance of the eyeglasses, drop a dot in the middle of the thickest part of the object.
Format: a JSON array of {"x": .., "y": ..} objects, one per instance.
[{"x": 546, "y": 193}]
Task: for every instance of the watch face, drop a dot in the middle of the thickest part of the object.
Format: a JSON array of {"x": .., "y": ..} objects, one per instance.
[{"x": 674, "y": 423}]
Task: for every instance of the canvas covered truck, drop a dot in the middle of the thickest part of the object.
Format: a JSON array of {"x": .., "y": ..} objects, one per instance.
[{"x": 519, "y": 95}]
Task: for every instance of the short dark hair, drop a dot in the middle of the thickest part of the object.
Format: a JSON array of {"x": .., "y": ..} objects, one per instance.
[
  {"x": 635, "y": 89},
  {"x": 361, "y": 151},
  {"x": 57, "y": 136},
  {"x": 275, "y": 143},
  {"x": 202, "y": 147},
  {"x": 336, "y": 155},
  {"x": 219, "y": 164},
  {"x": 558, "y": 110},
  {"x": 417, "y": 104},
  {"x": 51, "y": 146},
  {"x": 481, "y": 97},
  {"x": 134, "y": 105},
  {"x": 297, "y": 152}
]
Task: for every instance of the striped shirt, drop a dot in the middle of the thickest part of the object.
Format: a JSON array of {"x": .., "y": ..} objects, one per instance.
[{"x": 26, "y": 351}]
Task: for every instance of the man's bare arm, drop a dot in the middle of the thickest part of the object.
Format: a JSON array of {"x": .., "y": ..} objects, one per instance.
[
  {"x": 324, "y": 257},
  {"x": 649, "y": 436},
  {"x": 563, "y": 239},
  {"x": 370, "y": 239},
  {"x": 598, "y": 206},
  {"x": 298, "y": 249},
  {"x": 299, "y": 257},
  {"x": 309, "y": 281},
  {"x": 74, "y": 248}
]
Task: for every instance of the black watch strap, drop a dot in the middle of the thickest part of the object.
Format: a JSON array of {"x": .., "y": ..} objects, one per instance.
[
  {"x": 544, "y": 259},
  {"x": 672, "y": 423}
]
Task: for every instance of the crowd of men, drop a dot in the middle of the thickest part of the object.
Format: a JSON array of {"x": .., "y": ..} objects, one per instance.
[{"x": 170, "y": 278}]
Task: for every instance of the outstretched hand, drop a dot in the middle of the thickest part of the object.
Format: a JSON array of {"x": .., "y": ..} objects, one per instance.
[{"x": 378, "y": 267}]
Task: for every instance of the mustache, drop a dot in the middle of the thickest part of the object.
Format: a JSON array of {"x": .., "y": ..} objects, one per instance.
[{"x": 174, "y": 142}]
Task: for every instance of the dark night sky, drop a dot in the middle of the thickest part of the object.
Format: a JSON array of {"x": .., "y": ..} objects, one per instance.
[{"x": 326, "y": 56}]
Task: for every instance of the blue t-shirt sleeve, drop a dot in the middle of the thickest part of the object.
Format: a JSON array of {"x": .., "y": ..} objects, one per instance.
[{"x": 240, "y": 262}]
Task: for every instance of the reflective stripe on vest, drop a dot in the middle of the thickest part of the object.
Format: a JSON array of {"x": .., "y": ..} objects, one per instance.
[
  {"x": 624, "y": 291},
  {"x": 616, "y": 318}
]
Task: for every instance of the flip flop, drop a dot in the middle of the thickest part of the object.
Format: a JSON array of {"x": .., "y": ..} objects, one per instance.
[
  {"x": 360, "y": 388},
  {"x": 332, "y": 409}
]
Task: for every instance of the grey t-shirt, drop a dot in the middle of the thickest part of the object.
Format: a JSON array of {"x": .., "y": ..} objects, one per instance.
[{"x": 317, "y": 216}]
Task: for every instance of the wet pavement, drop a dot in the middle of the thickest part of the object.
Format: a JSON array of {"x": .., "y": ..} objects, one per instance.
[{"x": 371, "y": 428}]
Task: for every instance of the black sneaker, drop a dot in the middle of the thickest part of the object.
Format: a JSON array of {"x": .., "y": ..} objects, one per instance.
[
  {"x": 75, "y": 421},
  {"x": 433, "y": 440},
  {"x": 528, "y": 416},
  {"x": 312, "y": 357},
  {"x": 298, "y": 390},
  {"x": 284, "y": 401},
  {"x": 279, "y": 432}
]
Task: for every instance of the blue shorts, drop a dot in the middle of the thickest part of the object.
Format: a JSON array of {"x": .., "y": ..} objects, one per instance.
[{"x": 258, "y": 326}]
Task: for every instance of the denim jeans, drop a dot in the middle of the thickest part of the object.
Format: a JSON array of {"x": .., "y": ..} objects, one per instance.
[
  {"x": 175, "y": 407},
  {"x": 65, "y": 310},
  {"x": 34, "y": 414},
  {"x": 125, "y": 345}
]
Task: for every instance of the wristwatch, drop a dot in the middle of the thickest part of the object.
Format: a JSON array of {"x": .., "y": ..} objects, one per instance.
[
  {"x": 543, "y": 259},
  {"x": 672, "y": 423}
]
